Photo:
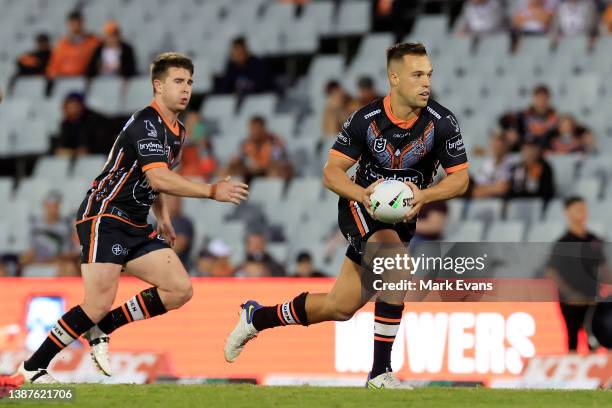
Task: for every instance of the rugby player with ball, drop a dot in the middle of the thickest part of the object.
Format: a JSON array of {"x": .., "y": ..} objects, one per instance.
[{"x": 404, "y": 137}]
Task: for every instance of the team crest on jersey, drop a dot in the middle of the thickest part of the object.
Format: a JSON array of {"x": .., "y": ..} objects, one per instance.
[
  {"x": 151, "y": 131},
  {"x": 380, "y": 145},
  {"x": 348, "y": 121},
  {"x": 454, "y": 122}
]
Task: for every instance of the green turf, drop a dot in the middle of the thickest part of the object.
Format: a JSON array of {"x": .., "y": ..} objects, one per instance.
[{"x": 149, "y": 396}]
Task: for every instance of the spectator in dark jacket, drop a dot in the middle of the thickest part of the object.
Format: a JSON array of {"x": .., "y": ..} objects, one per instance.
[
  {"x": 244, "y": 73},
  {"x": 35, "y": 62},
  {"x": 533, "y": 176},
  {"x": 113, "y": 56}
]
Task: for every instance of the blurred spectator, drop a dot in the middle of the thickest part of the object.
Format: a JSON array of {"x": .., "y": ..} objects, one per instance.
[
  {"x": 570, "y": 137},
  {"x": 261, "y": 154},
  {"x": 575, "y": 264},
  {"x": 82, "y": 131},
  {"x": 575, "y": 17},
  {"x": 606, "y": 20},
  {"x": 431, "y": 222},
  {"x": 258, "y": 261},
  {"x": 50, "y": 237},
  {"x": 366, "y": 93},
  {"x": 214, "y": 261},
  {"x": 113, "y": 56},
  {"x": 244, "y": 73},
  {"x": 304, "y": 267},
  {"x": 480, "y": 17},
  {"x": 198, "y": 158},
  {"x": 337, "y": 109},
  {"x": 491, "y": 179},
  {"x": 72, "y": 53},
  {"x": 537, "y": 123},
  {"x": 533, "y": 176},
  {"x": 533, "y": 16},
  {"x": 35, "y": 62},
  {"x": 183, "y": 226}
]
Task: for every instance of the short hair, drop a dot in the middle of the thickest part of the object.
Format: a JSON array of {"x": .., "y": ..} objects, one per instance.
[
  {"x": 365, "y": 82},
  {"x": 571, "y": 200},
  {"x": 541, "y": 89},
  {"x": 241, "y": 41},
  {"x": 303, "y": 256},
  {"x": 398, "y": 51},
  {"x": 166, "y": 60},
  {"x": 74, "y": 15},
  {"x": 259, "y": 119}
]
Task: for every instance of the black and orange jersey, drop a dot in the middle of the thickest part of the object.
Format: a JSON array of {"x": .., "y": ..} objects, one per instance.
[
  {"x": 390, "y": 148},
  {"x": 122, "y": 189}
]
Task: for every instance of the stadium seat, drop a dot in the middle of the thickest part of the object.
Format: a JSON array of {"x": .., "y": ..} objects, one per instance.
[
  {"x": 301, "y": 38},
  {"x": 219, "y": 106},
  {"x": 590, "y": 189},
  {"x": 323, "y": 68},
  {"x": 64, "y": 86},
  {"x": 353, "y": 18},
  {"x": 138, "y": 95},
  {"x": 6, "y": 189},
  {"x": 263, "y": 190},
  {"x": 485, "y": 209},
  {"x": 283, "y": 125},
  {"x": 548, "y": 231},
  {"x": 321, "y": 13},
  {"x": 260, "y": 104},
  {"x": 527, "y": 210},
  {"x": 554, "y": 210},
  {"x": 88, "y": 167},
  {"x": 564, "y": 167},
  {"x": 468, "y": 231},
  {"x": 32, "y": 88},
  {"x": 52, "y": 168},
  {"x": 105, "y": 95},
  {"x": 33, "y": 140},
  {"x": 506, "y": 231}
]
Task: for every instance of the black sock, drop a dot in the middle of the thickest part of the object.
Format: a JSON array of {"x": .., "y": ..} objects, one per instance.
[
  {"x": 144, "y": 305},
  {"x": 293, "y": 312},
  {"x": 68, "y": 328},
  {"x": 387, "y": 318}
]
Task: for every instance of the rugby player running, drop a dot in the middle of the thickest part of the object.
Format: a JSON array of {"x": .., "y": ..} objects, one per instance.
[
  {"x": 405, "y": 136},
  {"x": 113, "y": 230}
]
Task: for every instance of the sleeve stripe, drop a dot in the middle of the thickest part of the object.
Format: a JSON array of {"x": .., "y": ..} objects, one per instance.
[
  {"x": 458, "y": 167},
  {"x": 335, "y": 152},
  {"x": 153, "y": 165}
]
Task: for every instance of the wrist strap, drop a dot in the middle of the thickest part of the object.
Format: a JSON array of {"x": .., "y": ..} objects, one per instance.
[{"x": 213, "y": 190}]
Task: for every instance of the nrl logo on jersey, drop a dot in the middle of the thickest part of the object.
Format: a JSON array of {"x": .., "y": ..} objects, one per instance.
[
  {"x": 151, "y": 131},
  {"x": 380, "y": 145}
]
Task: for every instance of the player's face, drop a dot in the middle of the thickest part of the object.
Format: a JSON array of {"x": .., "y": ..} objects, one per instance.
[
  {"x": 412, "y": 80},
  {"x": 175, "y": 89}
]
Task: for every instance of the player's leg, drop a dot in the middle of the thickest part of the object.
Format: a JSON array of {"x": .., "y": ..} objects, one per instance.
[
  {"x": 171, "y": 288},
  {"x": 344, "y": 299},
  {"x": 388, "y": 308},
  {"x": 100, "y": 282}
]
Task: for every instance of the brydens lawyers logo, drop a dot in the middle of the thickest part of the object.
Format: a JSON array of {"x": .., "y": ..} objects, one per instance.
[
  {"x": 455, "y": 146},
  {"x": 150, "y": 147}
]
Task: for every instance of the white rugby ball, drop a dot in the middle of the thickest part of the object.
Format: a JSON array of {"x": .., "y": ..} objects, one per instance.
[{"x": 391, "y": 200}]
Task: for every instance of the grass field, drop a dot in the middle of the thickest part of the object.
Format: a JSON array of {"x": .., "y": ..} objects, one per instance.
[{"x": 148, "y": 396}]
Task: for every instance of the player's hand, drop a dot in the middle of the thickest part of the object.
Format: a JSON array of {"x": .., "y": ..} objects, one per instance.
[
  {"x": 230, "y": 191},
  {"x": 365, "y": 199},
  {"x": 419, "y": 198},
  {"x": 166, "y": 230}
]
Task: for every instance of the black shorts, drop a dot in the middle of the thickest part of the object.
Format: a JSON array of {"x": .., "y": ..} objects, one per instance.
[
  {"x": 357, "y": 227},
  {"x": 110, "y": 239}
]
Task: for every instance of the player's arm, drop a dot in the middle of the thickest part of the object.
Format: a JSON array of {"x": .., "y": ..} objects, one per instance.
[
  {"x": 345, "y": 152},
  {"x": 337, "y": 180},
  {"x": 164, "y": 180}
]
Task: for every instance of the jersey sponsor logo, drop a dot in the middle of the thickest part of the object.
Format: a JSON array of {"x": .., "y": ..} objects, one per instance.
[
  {"x": 454, "y": 122},
  {"x": 143, "y": 190},
  {"x": 411, "y": 175},
  {"x": 433, "y": 112},
  {"x": 343, "y": 139},
  {"x": 348, "y": 121},
  {"x": 151, "y": 131},
  {"x": 118, "y": 250},
  {"x": 151, "y": 147},
  {"x": 380, "y": 145},
  {"x": 455, "y": 146},
  {"x": 373, "y": 113},
  {"x": 400, "y": 135}
]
